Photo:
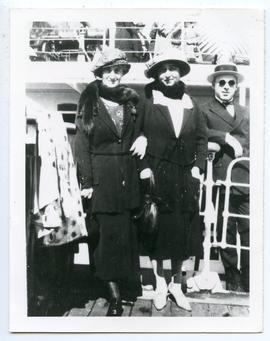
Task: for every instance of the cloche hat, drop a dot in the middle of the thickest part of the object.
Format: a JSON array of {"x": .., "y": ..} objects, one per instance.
[
  {"x": 225, "y": 69},
  {"x": 109, "y": 57},
  {"x": 170, "y": 55}
]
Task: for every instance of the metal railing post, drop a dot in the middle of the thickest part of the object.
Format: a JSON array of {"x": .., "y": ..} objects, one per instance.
[{"x": 207, "y": 280}]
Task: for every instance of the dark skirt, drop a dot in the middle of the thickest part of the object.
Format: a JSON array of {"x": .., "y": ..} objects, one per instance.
[
  {"x": 178, "y": 237},
  {"x": 116, "y": 255},
  {"x": 179, "y": 233}
]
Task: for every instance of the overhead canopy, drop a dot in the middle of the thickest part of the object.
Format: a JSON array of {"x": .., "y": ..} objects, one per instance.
[{"x": 223, "y": 35}]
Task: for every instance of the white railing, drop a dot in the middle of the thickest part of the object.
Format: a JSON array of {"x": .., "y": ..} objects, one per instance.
[
  {"x": 91, "y": 38},
  {"x": 207, "y": 279}
]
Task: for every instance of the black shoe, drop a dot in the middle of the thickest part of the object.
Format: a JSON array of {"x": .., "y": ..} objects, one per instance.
[
  {"x": 245, "y": 279},
  {"x": 115, "y": 308},
  {"x": 233, "y": 280},
  {"x": 234, "y": 287}
]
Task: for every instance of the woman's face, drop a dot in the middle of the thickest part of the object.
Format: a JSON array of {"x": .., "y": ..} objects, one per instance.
[
  {"x": 169, "y": 74},
  {"x": 112, "y": 75}
]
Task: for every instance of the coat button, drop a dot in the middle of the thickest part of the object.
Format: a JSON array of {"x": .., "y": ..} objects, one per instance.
[
  {"x": 123, "y": 183},
  {"x": 120, "y": 141}
]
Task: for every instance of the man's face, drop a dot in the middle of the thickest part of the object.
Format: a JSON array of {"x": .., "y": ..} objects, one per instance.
[{"x": 225, "y": 87}]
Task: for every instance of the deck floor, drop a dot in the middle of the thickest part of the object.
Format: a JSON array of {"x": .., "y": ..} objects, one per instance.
[{"x": 202, "y": 304}]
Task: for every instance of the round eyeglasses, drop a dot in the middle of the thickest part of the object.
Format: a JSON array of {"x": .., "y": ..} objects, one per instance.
[{"x": 222, "y": 83}]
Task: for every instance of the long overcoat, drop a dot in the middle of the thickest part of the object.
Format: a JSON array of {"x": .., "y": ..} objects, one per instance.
[
  {"x": 219, "y": 122},
  {"x": 165, "y": 148},
  {"x": 105, "y": 162},
  {"x": 171, "y": 159}
]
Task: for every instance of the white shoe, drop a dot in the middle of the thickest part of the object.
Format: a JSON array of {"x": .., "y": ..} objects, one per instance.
[
  {"x": 176, "y": 290},
  {"x": 161, "y": 292}
]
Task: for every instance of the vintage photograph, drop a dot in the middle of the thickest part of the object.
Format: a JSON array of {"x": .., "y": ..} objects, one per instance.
[{"x": 141, "y": 172}]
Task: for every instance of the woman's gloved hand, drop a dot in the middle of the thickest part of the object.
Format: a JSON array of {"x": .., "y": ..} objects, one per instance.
[
  {"x": 139, "y": 147},
  {"x": 195, "y": 172},
  {"x": 87, "y": 193}
]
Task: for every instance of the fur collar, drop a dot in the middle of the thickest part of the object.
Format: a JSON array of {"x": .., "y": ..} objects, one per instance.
[{"x": 89, "y": 106}]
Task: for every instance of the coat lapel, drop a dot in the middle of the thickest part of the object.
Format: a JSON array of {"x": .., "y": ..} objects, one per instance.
[
  {"x": 225, "y": 116},
  {"x": 186, "y": 116},
  {"x": 187, "y": 107},
  {"x": 166, "y": 116},
  {"x": 239, "y": 115},
  {"x": 220, "y": 111},
  {"x": 127, "y": 118},
  {"x": 106, "y": 118}
]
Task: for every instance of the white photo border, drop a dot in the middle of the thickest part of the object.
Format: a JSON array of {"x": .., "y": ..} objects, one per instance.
[{"x": 19, "y": 321}]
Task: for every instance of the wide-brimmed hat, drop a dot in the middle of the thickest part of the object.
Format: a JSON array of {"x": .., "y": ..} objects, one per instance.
[
  {"x": 170, "y": 55},
  {"x": 109, "y": 57},
  {"x": 225, "y": 69}
]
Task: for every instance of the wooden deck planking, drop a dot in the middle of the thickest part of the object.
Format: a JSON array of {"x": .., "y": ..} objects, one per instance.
[
  {"x": 202, "y": 304},
  {"x": 229, "y": 298},
  {"x": 200, "y": 309},
  {"x": 142, "y": 308},
  {"x": 78, "y": 312},
  {"x": 147, "y": 309},
  {"x": 176, "y": 311},
  {"x": 100, "y": 307},
  {"x": 166, "y": 311},
  {"x": 218, "y": 310},
  {"x": 89, "y": 306},
  {"x": 238, "y": 311}
]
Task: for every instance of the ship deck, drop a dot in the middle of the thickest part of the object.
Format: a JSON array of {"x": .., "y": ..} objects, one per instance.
[{"x": 202, "y": 304}]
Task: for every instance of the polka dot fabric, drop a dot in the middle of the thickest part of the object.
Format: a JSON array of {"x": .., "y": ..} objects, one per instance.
[{"x": 59, "y": 200}]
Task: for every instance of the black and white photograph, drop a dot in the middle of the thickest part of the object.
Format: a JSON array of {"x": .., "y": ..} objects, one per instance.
[{"x": 136, "y": 170}]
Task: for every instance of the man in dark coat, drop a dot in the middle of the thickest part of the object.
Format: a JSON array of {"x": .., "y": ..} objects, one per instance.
[{"x": 228, "y": 125}]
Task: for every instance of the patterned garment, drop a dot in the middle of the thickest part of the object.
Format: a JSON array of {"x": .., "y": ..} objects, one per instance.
[
  {"x": 58, "y": 208},
  {"x": 116, "y": 113}
]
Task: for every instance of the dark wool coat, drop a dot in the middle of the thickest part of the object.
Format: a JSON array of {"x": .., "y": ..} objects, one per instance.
[
  {"x": 105, "y": 163},
  {"x": 187, "y": 150},
  {"x": 171, "y": 159},
  {"x": 219, "y": 122},
  {"x": 158, "y": 128}
]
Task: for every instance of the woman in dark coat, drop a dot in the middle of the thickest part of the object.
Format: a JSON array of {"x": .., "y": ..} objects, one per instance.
[
  {"x": 175, "y": 158},
  {"x": 106, "y": 127}
]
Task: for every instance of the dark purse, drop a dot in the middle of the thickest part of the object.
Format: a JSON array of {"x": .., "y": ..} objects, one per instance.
[{"x": 147, "y": 216}]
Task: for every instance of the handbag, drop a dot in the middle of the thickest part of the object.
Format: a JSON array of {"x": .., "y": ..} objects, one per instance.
[{"x": 147, "y": 216}]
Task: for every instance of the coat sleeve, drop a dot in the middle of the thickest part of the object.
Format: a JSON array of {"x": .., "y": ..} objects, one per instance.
[
  {"x": 82, "y": 155},
  {"x": 201, "y": 140},
  {"x": 217, "y": 136},
  {"x": 140, "y": 131},
  {"x": 214, "y": 135},
  {"x": 242, "y": 134}
]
